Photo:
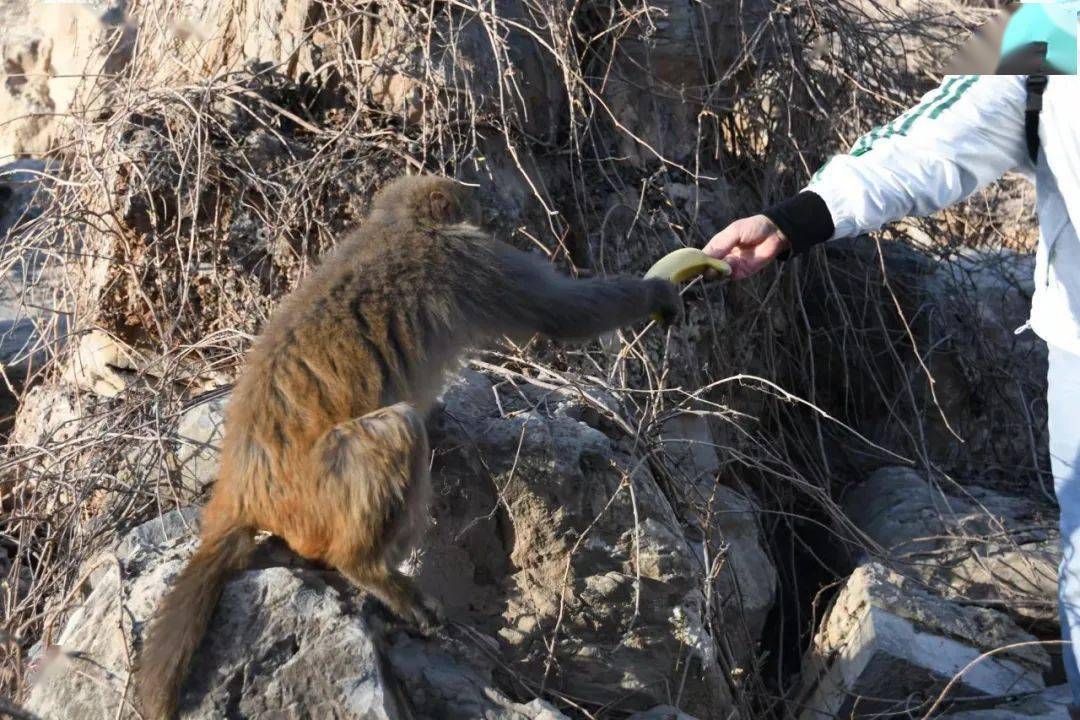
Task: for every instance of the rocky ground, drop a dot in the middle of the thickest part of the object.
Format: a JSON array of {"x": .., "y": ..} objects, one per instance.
[{"x": 821, "y": 495}]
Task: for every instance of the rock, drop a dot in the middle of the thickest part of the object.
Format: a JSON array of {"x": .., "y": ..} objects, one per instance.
[
  {"x": 20, "y": 182},
  {"x": 729, "y": 520},
  {"x": 887, "y": 643},
  {"x": 101, "y": 364},
  {"x": 282, "y": 638},
  {"x": 904, "y": 513},
  {"x": 544, "y": 520},
  {"x": 746, "y": 584},
  {"x": 57, "y": 58},
  {"x": 199, "y": 434},
  {"x": 486, "y": 69},
  {"x": 545, "y": 526},
  {"x": 661, "y": 712},
  {"x": 990, "y": 374},
  {"x": 15, "y": 582},
  {"x": 925, "y": 32},
  {"x": 988, "y": 381},
  {"x": 983, "y": 546},
  {"x": 690, "y": 448},
  {"x": 1021, "y": 580},
  {"x": 19, "y": 348},
  {"x": 1050, "y": 704},
  {"x": 662, "y": 77},
  {"x": 56, "y": 431},
  {"x": 28, "y": 295},
  {"x": 50, "y": 414}
]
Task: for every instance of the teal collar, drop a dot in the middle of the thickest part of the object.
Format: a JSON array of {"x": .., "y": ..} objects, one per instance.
[{"x": 1050, "y": 23}]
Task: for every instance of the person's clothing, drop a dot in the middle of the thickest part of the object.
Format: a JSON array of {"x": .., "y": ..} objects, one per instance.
[
  {"x": 959, "y": 138},
  {"x": 1064, "y": 405}
]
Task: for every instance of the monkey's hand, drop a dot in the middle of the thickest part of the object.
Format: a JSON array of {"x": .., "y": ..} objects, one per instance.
[{"x": 665, "y": 302}]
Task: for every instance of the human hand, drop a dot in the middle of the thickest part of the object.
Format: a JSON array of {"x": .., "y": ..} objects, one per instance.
[{"x": 748, "y": 245}]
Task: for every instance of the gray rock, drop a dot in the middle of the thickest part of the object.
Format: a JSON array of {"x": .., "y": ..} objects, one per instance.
[
  {"x": 542, "y": 520},
  {"x": 963, "y": 315},
  {"x": 28, "y": 292},
  {"x": 284, "y": 642},
  {"x": 199, "y": 434},
  {"x": 540, "y": 515},
  {"x": 979, "y": 545},
  {"x": 690, "y": 448},
  {"x": 905, "y": 514},
  {"x": 50, "y": 415},
  {"x": 516, "y": 79},
  {"x": 887, "y": 644},
  {"x": 665, "y": 60},
  {"x": 20, "y": 182},
  {"x": 1050, "y": 704},
  {"x": 989, "y": 377},
  {"x": 661, "y": 712},
  {"x": 728, "y": 519},
  {"x": 53, "y": 55}
]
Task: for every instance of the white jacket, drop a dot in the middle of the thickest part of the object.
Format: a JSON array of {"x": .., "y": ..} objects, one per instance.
[{"x": 960, "y": 137}]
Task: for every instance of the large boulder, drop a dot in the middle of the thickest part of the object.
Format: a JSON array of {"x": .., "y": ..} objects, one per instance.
[
  {"x": 1051, "y": 704},
  {"x": 199, "y": 432},
  {"x": 888, "y": 646},
  {"x": 32, "y": 282},
  {"x": 969, "y": 544},
  {"x": 989, "y": 370},
  {"x": 493, "y": 67},
  {"x": 57, "y": 59},
  {"x": 552, "y": 536},
  {"x": 903, "y": 340},
  {"x": 553, "y": 550},
  {"x": 661, "y": 81},
  {"x": 720, "y": 517},
  {"x": 285, "y": 641}
]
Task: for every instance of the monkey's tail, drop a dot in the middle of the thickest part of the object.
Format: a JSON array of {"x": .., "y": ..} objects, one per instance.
[{"x": 182, "y": 618}]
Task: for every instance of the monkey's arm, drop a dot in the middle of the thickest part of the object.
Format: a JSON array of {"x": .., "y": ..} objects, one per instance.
[{"x": 530, "y": 296}]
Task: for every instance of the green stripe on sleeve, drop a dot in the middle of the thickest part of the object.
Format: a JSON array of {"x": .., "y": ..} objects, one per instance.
[
  {"x": 940, "y": 100},
  {"x": 964, "y": 87},
  {"x": 943, "y": 98}
]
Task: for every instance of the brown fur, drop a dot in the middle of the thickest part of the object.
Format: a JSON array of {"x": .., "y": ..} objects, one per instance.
[{"x": 325, "y": 443}]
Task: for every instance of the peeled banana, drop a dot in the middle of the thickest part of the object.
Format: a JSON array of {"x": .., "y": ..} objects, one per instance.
[{"x": 685, "y": 264}]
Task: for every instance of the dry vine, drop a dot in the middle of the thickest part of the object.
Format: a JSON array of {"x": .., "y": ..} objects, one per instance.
[{"x": 203, "y": 200}]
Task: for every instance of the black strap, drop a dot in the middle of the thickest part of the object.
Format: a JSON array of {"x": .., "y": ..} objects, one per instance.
[{"x": 1036, "y": 85}]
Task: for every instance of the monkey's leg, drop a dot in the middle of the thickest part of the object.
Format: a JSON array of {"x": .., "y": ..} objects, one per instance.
[
  {"x": 397, "y": 592},
  {"x": 373, "y": 476}
]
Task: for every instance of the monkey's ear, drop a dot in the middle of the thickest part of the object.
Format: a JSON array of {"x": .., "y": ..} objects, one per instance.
[{"x": 443, "y": 208}]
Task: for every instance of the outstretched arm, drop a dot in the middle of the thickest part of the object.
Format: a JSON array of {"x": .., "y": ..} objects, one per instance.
[
  {"x": 959, "y": 138},
  {"x": 529, "y": 295}
]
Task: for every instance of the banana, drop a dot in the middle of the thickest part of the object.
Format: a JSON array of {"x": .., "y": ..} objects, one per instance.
[{"x": 685, "y": 264}]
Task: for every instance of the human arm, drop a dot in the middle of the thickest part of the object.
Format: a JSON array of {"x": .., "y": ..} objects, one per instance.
[{"x": 959, "y": 138}]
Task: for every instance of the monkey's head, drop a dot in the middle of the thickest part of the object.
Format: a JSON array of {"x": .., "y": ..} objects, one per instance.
[{"x": 426, "y": 201}]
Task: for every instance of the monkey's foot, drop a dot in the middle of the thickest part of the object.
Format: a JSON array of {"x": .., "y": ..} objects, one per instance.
[
  {"x": 426, "y": 616},
  {"x": 422, "y": 617}
]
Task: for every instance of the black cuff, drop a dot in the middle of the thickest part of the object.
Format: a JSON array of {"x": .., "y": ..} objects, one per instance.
[{"x": 805, "y": 221}]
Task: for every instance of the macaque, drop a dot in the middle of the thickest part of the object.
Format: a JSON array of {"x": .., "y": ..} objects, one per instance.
[{"x": 324, "y": 441}]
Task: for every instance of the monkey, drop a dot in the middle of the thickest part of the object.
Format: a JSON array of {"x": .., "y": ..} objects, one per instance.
[{"x": 325, "y": 444}]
